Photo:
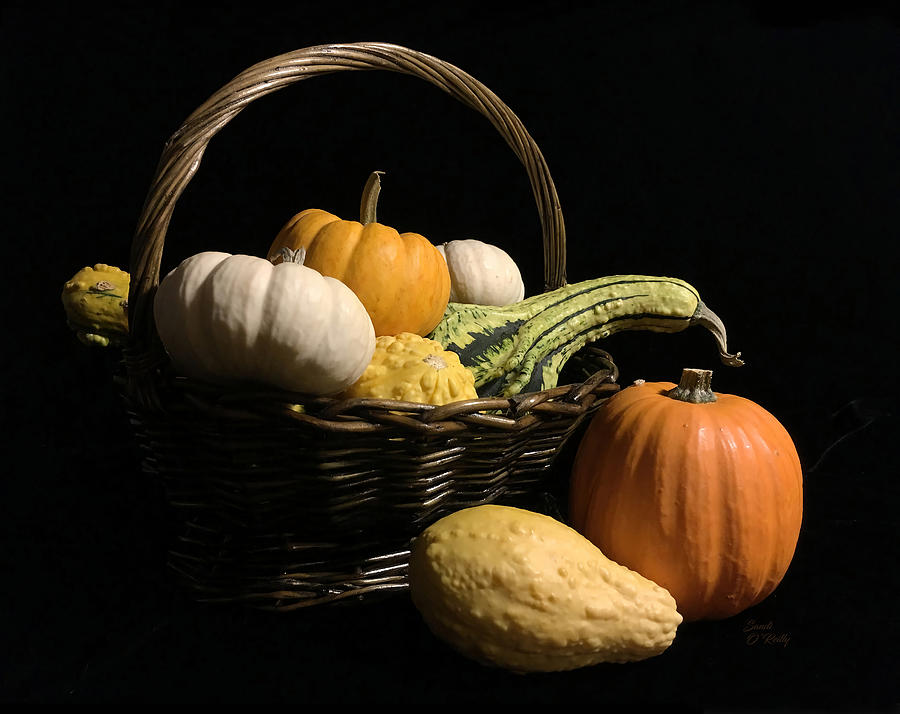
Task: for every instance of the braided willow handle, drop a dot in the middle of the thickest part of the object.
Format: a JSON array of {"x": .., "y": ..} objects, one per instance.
[{"x": 184, "y": 150}]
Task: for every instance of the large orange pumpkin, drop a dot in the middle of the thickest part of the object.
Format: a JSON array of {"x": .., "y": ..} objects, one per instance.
[
  {"x": 698, "y": 491},
  {"x": 401, "y": 278}
]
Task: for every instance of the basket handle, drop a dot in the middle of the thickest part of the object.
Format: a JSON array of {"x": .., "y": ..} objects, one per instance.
[{"x": 182, "y": 153}]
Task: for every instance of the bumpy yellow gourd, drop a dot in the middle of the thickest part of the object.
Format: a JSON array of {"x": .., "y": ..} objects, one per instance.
[
  {"x": 407, "y": 367},
  {"x": 96, "y": 303},
  {"x": 522, "y": 591}
]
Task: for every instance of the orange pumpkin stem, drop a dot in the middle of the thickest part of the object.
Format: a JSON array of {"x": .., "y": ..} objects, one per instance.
[
  {"x": 695, "y": 387},
  {"x": 369, "y": 202}
]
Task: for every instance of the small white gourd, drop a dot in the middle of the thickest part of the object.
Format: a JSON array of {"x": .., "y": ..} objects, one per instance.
[{"x": 482, "y": 273}]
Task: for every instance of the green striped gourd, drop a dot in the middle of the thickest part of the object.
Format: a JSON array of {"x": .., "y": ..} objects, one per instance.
[{"x": 522, "y": 347}]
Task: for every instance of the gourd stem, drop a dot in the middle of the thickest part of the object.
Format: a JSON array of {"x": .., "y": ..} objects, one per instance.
[
  {"x": 291, "y": 256},
  {"x": 695, "y": 387},
  {"x": 705, "y": 317},
  {"x": 369, "y": 200}
]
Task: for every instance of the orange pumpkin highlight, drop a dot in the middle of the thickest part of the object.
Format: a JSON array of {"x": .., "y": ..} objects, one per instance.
[
  {"x": 401, "y": 278},
  {"x": 705, "y": 499}
]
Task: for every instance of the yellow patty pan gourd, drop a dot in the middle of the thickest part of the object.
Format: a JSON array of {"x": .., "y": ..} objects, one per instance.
[
  {"x": 519, "y": 590},
  {"x": 400, "y": 278},
  {"x": 411, "y": 368},
  {"x": 96, "y": 303}
]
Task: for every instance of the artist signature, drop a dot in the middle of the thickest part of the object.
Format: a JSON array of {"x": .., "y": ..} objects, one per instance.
[{"x": 764, "y": 633}]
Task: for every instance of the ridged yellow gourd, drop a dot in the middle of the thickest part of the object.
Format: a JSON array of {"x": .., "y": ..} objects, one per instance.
[{"x": 519, "y": 590}]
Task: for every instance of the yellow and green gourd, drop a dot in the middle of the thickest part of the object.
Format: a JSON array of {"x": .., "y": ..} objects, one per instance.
[
  {"x": 410, "y": 368},
  {"x": 96, "y": 303},
  {"x": 523, "y": 347}
]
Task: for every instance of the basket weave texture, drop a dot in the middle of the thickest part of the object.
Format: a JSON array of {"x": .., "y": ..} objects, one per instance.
[{"x": 288, "y": 507}]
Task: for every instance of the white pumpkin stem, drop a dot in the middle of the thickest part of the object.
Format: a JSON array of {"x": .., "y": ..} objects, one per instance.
[
  {"x": 369, "y": 201},
  {"x": 291, "y": 256},
  {"x": 695, "y": 387}
]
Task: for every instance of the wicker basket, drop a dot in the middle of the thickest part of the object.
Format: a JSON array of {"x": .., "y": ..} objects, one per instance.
[{"x": 287, "y": 509}]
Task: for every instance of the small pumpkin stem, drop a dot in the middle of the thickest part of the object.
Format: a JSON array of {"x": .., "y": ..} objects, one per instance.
[
  {"x": 291, "y": 256},
  {"x": 369, "y": 200},
  {"x": 695, "y": 387}
]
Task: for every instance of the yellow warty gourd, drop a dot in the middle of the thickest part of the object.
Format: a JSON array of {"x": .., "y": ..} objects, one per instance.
[
  {"x": 96, "y": 303},
  {"x": 410, "y": 368},
  {"x": 519, "y": 590}
]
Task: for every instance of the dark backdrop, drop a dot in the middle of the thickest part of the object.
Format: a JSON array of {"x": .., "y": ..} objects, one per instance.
[{"x": 749, "y": 149}]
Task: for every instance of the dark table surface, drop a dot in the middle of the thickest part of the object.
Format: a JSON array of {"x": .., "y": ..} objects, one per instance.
[{"x": 751, "y": 151}]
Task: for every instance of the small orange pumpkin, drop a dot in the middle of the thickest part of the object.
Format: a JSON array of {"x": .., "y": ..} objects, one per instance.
[
  {"x": 698, "y": 491},
  {"x": 401, "y": 278}
]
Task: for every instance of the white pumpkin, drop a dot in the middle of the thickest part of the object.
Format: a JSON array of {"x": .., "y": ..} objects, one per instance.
[
  {"x": 239, "y": 318},
  {"x": 481, "y": 273}
]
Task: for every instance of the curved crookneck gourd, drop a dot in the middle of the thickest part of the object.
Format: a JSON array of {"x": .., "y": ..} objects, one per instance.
[{"x": 522, "y": 347}]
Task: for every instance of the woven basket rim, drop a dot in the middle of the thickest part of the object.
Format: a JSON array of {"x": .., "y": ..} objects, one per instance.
[{"x": 358, "y": 415}]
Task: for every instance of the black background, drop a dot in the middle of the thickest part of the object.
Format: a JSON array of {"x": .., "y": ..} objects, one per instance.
[{"x": 750, "y": 149}]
